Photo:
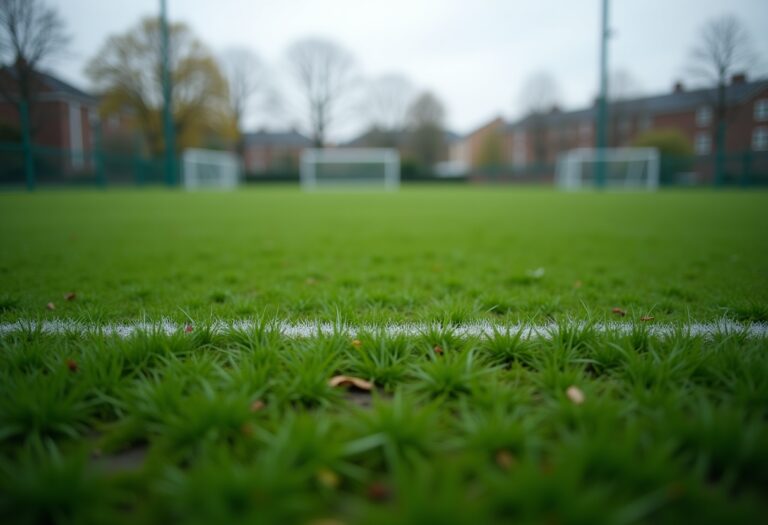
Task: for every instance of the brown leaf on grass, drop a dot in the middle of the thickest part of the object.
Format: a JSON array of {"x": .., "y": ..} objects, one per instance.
[
  {"x": 327, "y": 478},
  {"x": 438, "y": 350},
  {"x": 246, "y": 429},
  {"x": 72, "y": 365},
  {"x": 505, "y": 459},
  {"x": 357, "y": 343},
  {"x": 50, "y": 306},
  {"x": 379, "y": 492},
  {"x": 577, "y": 284},
  {"x": 188, "y": 328},
  {"x": 647, "y": 318},
  {"x": 618, "y": 311},
  {"x": 361, "y": 384},
  {"x": 70, "y": 296},
  {"x": 575, "y": 394},
  {"x": 257, "y": 405}
]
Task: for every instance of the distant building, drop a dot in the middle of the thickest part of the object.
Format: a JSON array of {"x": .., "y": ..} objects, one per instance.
[
  {"x": 533, "y": 143},
  {"x": 447, "y": 165},
  {"x": 270, "y": 152},
  {"x": 61, "y": 115}
]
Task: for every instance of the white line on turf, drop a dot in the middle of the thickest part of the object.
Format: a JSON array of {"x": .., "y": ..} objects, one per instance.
[{"x": 306, "y": 329}]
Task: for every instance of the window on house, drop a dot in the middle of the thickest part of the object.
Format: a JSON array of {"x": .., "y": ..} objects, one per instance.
[
  {"x": 760, "y": 139},
  {"x": 761, "y": 109},
  {"x": 703, "y": 144},
  {"x": 704, "y": 116}
]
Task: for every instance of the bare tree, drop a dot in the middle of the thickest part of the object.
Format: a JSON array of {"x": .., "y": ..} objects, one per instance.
[
  {"x": 724, "y": 48},
  {"x": 324, "y": 73},
  {"x": 623, "y": 85},
  {"x": 246, "y": 78},
  {"x": 539, "y": 93},
  {"x": 622, "y": 88},
  {"x": 31, "y": 33},
  {"x": 387, "y": 102},
  {"x": 539, "y": 96},
  {"x": 426, "y": 125}
]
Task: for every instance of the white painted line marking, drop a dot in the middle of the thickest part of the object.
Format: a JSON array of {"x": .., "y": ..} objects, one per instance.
[{"x": 313, "y": 328}]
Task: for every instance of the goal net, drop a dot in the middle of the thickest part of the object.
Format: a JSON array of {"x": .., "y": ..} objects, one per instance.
[
  {"x": 632, "y": 168},
  {"x": 209, "y": 169},
  {"x": 350, "y": 167}
]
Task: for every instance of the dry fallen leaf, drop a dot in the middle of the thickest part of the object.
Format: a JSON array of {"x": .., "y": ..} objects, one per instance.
[
  {"x": 257, "y": 405},
  {"x": 379, "y": 492},
  {"x": 50, "y": 306},
  {"x": 246, "y": 429},
  {"x": 619, "y": 311},
  {"x": 646, "y": 318},
  {"x": 70, "y": 296},
  {"x": 505, "y": 459},
  {"x": 438, "y": 349},
  {"x": 357, "y": 343},
  {"x": 327, "y": 478},
  {"x": 72, "y": 365},
  {"x": 575, "y": 394},
  {"x": 188, "y": 328},
  {"x": 356, "y": 382},
  {"x": 577, "y": 284}
]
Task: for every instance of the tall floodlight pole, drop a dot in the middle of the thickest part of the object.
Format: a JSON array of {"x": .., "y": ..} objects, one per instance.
[
  {"x": 168, "y": 131},
  {"x": 601, "y": 118}
]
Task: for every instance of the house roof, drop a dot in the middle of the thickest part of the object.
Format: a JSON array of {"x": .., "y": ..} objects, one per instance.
[
  {"x": 57, "y": 86},
  {"x": 675, "y": 102},
  {"x": 277, "y": 138},
  {"x": 399, "y": 137}
]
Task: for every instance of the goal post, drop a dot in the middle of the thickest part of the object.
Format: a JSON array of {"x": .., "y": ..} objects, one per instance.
[
  {"x": 629, "y": 168},
  {"x": 210, "y": 169},
  {"x": 350, "y": 167}
]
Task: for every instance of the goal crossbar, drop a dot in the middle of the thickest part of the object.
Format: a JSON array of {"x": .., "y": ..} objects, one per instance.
[
  {"x": 641, "y": 167},
  {"x": 387, "y": 157},
  {"x": 210, "y": 169}
]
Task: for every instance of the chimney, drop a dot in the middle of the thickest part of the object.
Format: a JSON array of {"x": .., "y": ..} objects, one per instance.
[
  {"x": 738, "y": 78},
  {"x": 678, "y": 87}
]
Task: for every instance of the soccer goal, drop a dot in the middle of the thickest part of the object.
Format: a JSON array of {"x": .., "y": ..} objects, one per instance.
[
  {"x": 209, "y": 169},
  {"x": 350, "y": 167},
  {"x": 631, "y": 168}
]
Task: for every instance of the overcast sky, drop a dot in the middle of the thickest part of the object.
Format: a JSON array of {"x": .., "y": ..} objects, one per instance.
[{"x": 474, "y": 54}]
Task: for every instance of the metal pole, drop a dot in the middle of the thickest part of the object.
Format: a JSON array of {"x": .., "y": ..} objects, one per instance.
[
  {"x": 29, "y": 161},
  {"x": 168, "y": 131},
  {"x": 101, "y": 179},
  {"x": 602, "y": 101}
]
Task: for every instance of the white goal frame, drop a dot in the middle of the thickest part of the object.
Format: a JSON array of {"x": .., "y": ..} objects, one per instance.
[
  {"x": 311, "y": 157},
  {"x": 194, "y": 178},
  {"x": 570, "y": 167}
]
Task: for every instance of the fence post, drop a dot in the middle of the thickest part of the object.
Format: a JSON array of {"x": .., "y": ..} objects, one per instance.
[
  {"x": 101, "y": 179},
  {"x": 29, "y": 160},
  {"x": 138, "y": 168},
  {"x": 746, "y": 168}
]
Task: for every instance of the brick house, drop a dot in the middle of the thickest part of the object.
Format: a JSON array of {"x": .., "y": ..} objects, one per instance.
[
  {"x": 374, "y": 137},
  {"x": 61, "y": 115},
  {"x": 270, "y": 152},
  {"x": 533, "y": 143}
]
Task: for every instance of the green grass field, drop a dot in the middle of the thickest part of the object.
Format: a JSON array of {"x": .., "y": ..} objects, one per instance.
[
  {"x": 582, "y": 422},
  {"x": 426, "y": 254}
]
